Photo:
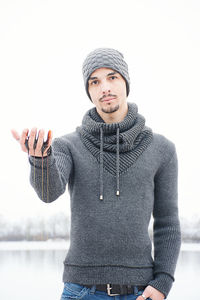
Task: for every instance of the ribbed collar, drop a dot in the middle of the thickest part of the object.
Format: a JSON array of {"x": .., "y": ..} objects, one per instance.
[
  {"x": 92, "y": 121},
  {"x": 116, "y": 146}
]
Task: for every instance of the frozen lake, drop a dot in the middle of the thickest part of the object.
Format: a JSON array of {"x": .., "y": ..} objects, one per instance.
[{"x": 33, "y": 271}]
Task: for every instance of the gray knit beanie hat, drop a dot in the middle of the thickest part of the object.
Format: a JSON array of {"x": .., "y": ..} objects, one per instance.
[{"x": 105, "y": 58}]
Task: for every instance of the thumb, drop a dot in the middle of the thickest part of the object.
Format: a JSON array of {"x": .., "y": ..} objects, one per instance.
[
  {"x": 49, "y": 138},
  {"x": 15, "y": 134}
]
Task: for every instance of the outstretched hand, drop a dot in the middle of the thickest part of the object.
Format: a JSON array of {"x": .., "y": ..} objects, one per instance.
[
  {"x": 34, "y": 149},
  {"x": 152, "y": 293}
]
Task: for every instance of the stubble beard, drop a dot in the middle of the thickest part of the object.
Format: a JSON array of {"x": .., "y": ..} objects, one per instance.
[{"x": 110, "y": 109}]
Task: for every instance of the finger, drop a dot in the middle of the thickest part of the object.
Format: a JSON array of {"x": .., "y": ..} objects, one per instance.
[
  {"x": 144, "y": 296},
  {"x": 46, "y": 145},
  {"x": 40, "y": 141},
  {"x": 146, "y": 293},
  {"x": 49, "y": 138},
  {"x": 15, "y": 134},
  {"x": 48, "y": 142},
  {"x": 23, "y": 137},
  {"x": 31, "y": 140}
]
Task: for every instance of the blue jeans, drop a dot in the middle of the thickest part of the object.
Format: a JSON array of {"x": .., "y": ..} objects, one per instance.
[{"x": 74, "y": 291}]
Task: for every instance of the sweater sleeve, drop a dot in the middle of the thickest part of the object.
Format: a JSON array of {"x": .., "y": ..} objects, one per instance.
[
  {"x": 50, "y": 180},
  {"x": 166, "y": 227}
]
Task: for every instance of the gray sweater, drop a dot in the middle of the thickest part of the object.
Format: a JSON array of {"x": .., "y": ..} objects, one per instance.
[{"x": 118, "y": 175}]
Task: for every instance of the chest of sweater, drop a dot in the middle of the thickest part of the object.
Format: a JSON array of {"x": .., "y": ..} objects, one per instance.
[{"x": 136, "y": 188}]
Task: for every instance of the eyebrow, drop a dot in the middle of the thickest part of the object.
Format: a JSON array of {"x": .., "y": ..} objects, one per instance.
[{"x": 109, "y": 74}]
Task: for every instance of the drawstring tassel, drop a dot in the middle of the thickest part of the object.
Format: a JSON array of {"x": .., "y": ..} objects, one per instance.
[{"x": 101, "y": 164}]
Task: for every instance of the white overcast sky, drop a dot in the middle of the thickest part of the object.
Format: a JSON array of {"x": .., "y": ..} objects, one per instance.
[{"x": 42, "y": 48}]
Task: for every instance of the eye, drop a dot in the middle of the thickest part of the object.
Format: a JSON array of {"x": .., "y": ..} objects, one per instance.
[
  {"x": 94, "y": 82},
  {"x": 112, "y": 77}
]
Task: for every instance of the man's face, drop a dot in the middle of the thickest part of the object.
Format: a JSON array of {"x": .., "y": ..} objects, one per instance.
[{"x": 107, "y": 89}]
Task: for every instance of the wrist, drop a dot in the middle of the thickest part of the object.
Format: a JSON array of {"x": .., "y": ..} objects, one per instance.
[{"x": 162, "y": 282}]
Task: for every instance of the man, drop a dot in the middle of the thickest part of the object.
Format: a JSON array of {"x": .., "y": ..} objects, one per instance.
[{"x": 119, "y": 173}]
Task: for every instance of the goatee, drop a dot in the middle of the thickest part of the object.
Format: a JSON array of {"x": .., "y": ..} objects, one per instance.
[{"x": 110, "y": 109}]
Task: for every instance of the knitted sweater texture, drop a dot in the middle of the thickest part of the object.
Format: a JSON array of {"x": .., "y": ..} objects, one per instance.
[{"x": 118, "y": 176}]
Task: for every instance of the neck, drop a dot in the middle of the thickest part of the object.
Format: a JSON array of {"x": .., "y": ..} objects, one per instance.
[{"x": 115, "y": 117}]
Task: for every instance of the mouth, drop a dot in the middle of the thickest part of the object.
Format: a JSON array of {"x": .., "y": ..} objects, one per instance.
[{"x": 108, "y": 99}]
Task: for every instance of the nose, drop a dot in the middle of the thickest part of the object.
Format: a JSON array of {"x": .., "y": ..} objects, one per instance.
[{"x": 105, "y": 87}]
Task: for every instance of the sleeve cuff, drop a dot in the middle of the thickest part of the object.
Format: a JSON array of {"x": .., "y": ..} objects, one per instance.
[
  {"x": 37, "y": 161},
  {"x": 162, "y": 282}
]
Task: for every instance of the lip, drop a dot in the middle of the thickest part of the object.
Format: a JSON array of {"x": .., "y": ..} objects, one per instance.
[{"x": 108, "y": 99}]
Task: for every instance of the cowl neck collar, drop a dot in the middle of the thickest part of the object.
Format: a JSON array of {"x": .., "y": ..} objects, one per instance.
[
  {"x": 93, "y": 121},
  {"x": 116, "y": 146}
]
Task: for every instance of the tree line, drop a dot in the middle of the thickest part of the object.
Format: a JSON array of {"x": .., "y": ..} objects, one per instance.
[{"x": 57, "y": 226}]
